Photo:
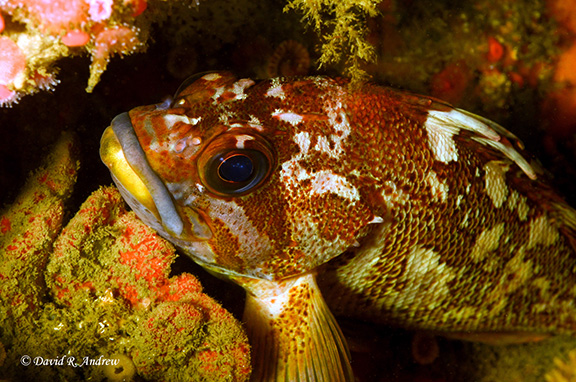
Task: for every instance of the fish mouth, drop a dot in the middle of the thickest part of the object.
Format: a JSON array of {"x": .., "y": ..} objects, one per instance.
[{"x": 122, "y": 153}]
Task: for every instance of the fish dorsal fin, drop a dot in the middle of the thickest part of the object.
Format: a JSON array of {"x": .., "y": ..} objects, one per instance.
[
  {"x": 293, "y": 334},
  {"x": 442, "y": 125}
]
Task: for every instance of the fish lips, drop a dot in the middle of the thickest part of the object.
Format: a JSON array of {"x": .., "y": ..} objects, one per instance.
[{"x": 140, "y": 186}]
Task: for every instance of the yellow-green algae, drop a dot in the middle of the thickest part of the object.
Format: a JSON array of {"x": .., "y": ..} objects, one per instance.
[
  {"x": 342, "y": 26},
  {"x": 564, "y": 371},
  {"x": 28, "y": 228},
  {"x": 100, "y": 288},
  {"x": 404, "y": 44},
  {"x": 409, "y": 45}
]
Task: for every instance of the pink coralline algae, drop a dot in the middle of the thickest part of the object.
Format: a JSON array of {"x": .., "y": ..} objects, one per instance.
[
  {"x": 12, "y": 65},
  {"x": 40, "y": 32},
  {"x": 100, "y": 287},
  {"x": 51, "y": 15},
  {"x": 100, "y": 10},
  {"x": 75, "y": 38},
  {"x": 117, "y": 39}
]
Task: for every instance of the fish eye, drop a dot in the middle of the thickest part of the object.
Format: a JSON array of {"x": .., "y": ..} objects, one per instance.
[
  {"x": 236, "y": 172},
  {"x": 235, "y": 163},
  {"x": 236, "y": 168}
]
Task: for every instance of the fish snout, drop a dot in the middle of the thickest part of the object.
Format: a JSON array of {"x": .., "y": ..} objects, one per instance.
[{"x": 142, "y": 188}]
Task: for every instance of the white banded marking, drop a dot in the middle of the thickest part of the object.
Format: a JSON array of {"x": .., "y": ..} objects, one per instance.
[
  {"x": 326, "y": 181},
  {"x": 302, "y": 139},
  {"x": 238, "y": 89},
  {"x": 240, "y": 139},
  {"x": 253, "y": 243},
  {"x": 171, "y": 119},
  {"x": 342, "y": 129},
  {"x": 211, "y": 76},
  {"x": 288, "y": 116},
  {"x": 439, "y": 189},
  {"x": 426, "y": 279},
  {"x": 255, "y": 123},
  {"x": 393, "y": 195},
  {"x": 321, "y": 182},
  {"x": 495, "y": 184},
  {"x": 441, "y": 127},
  {"x": 275, "y": 89},
  {"x": 488, "y": 241},
  {"x": 542, "y": 232}
]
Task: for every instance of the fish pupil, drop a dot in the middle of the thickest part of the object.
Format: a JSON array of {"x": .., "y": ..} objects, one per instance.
[{"x": 237, "y": 168}]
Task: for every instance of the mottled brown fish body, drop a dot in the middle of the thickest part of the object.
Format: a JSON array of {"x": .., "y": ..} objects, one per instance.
[
  {"x": 410, "y": 212},
  {"x": 469, "y": 242}
]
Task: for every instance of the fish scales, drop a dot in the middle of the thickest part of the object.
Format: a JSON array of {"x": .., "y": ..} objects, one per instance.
[
  {"x": 404, "y": 210},
  {"x": 490, "y": 261}
]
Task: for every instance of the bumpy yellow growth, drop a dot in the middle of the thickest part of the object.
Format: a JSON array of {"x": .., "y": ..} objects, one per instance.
[
  {"x": 564, "y": 371},
  {"x": 342, "y": 25}
]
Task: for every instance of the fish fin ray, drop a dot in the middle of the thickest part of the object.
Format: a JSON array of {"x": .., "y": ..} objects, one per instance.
[
  {"x": 448, "y": 121},
  {"x": 294, "y": 335},
  {"x": 483, "y": 131}
]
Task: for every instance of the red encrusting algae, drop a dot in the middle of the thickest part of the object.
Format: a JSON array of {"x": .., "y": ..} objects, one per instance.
[
  {"x": 106, "y": 249},
  {"x": 102, "y": 286},
  {"x": 451, "y": 83},
  {"x": 29, "y": 226},
  {"x": 560, "y": 106},
  {"x": 495, "y": 50}
]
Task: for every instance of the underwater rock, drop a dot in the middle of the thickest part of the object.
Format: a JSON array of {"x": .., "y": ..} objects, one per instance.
[
  {"x": 28, "y": 228},
  {"x": 99, "y": 291}
]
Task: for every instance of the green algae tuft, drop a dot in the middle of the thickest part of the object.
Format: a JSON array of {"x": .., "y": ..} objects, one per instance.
[{"x": 342, "y": 27}]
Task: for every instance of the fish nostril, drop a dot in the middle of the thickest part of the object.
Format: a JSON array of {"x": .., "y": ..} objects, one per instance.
[{"x": 166, "y": 104}]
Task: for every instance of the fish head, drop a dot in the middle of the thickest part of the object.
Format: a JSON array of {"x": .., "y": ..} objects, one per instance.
[{"x": 248, "y": 179}]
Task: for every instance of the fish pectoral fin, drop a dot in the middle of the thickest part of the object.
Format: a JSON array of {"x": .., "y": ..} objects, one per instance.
[{"x": 293, "y": 334}]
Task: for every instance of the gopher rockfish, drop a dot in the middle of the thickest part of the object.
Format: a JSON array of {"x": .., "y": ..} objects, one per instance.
[{"x": 321, "y": 199}]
